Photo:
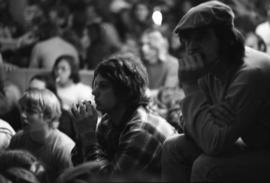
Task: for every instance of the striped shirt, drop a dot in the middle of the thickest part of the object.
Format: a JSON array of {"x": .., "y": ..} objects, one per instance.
[{"x": 136, "y": 146}]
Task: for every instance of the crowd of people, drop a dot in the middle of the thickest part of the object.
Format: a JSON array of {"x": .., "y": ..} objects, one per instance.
[{"x": 185, "y": 100}]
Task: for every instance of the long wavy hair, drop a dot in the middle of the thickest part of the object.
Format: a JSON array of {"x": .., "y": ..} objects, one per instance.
[
  {"x": 232, "y": 47},
  {"x": 74, "y": 75},
  {"x": 128, "y": 77}
]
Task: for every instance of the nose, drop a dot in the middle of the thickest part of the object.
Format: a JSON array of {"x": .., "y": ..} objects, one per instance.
[
  {"x": 95, "y": 91},
  {"x": 24, "y": 118}
]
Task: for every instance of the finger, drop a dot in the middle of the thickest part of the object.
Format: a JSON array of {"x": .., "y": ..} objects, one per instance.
[
  {"x": 198, "y": 61},
  {"x": 94, "y": 111},
  {"x": 74, "y": 111},
  {"x": 195, "y": 62},
  {"x": 89, "y": 107},
  {"x": 82, "y": 109}
]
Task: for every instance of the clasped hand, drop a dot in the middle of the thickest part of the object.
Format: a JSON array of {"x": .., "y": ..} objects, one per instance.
[
  {"x": 85, "y": 116},
  {"x": 191, "y": 68}
]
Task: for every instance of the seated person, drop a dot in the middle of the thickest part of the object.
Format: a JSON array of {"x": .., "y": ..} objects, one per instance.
[
  {"x": 46, "y": 81},
  {"x": 69, "y": 88},
  {"x": 129, "y": 136},
  {"x": 226, "y": 113},
  {"x": 40, "y": 109},
  {"x": 160, "y": 65}
]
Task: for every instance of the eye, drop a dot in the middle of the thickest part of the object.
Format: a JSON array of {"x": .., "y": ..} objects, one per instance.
[{"x": 102, "y": 85}]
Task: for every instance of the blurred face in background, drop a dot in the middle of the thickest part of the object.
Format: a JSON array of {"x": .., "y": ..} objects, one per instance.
[
  {"x": 62, "y": 72},
  {"x": 141, "y": 12},
  {"x": 153, "y": 47},
  {"x": 31, "y": 12},
  {"x": 148, "y": 49},
  {"x": 91, "y": 14}
]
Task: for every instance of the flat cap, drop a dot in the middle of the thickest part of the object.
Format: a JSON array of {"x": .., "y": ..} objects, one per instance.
[{"x": 206, "y": 14}]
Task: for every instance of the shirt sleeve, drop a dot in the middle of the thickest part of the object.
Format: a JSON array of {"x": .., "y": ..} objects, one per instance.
[{"x": 216, "y": 125}]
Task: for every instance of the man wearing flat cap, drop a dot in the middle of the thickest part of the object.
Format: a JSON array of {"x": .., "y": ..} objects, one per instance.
[{"x": 226, "y": 110}]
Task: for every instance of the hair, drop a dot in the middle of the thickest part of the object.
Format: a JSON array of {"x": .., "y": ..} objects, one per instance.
[
  {"x": 128, "y": 77},
  {"x": 137, "y": 4},
  {"x": 22, "y": 159},
  {"x": 74, "y": 76},
  {"x": 46, "y": 29},
  {"x": 232, "y": 46},
  {"x": 44, "y": 101},
  {"x": 16, "y": 158},
  {"x": 21, "y": 175},
  {"x": 47, "y": 79}
]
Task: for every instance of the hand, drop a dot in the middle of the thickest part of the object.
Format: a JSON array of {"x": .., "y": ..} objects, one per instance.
[
  {"x": 191, "y": 68},
  {"x": 85, "y": 117}
]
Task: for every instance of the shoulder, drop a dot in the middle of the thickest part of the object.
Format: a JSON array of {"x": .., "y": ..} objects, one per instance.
[
  {"x": 144, "y": 120},
  {"x": 62, "y": 140},
  {"x": 6, "y": 128},
  {"x": 172, "y": 59},
  {"x": 256, "y": 63},
  {"x": 38, "y": 46}
]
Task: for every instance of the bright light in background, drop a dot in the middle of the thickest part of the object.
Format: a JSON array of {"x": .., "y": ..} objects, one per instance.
[{"x": 157, "y": 17}]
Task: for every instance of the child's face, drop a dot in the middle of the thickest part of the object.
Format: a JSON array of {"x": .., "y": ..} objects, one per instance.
[
  {"x": 34, "y": 122},
  {"x": 149, "y": 51}
]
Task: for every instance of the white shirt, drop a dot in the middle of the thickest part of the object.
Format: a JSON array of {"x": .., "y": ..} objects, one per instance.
[
  {"x": 74, "y": 93},
  {"x": 263, "y": 30}
]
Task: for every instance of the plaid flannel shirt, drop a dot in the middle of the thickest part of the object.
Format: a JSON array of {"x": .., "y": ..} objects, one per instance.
[{"x": 136, "y": 147}]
